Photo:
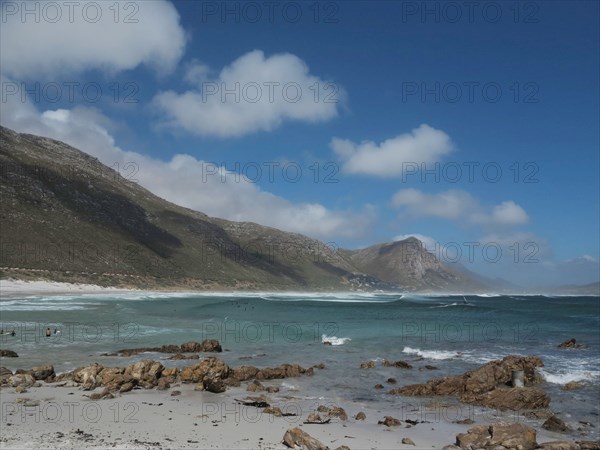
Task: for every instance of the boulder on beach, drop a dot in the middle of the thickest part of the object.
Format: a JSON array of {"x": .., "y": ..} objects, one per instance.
[
  {"x": 390, "y": 421},
  {"x": 516, "y": 436},
  {"x": 297, "y": 438},
  {"x": 360, "y": 416},
  {"x": 42, "y": 372}
]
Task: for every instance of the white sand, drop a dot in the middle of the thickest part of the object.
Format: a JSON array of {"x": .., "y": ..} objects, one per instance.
[
  {"x": 192, "y": 420},
  {"x": 155, "y": 419},
  {"x": 13, "y": 288}
]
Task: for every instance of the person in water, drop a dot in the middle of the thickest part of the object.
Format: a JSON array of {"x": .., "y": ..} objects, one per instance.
[
  {"x": 48, "y": 332},
  {"x": 12, "y": 333}
]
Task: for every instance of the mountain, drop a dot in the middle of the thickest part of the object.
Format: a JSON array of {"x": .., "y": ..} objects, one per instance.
[
  {"x": 407, "y": 263},
  {"x": 67, "y": 217},
  {"x": 578, "y": 289}
]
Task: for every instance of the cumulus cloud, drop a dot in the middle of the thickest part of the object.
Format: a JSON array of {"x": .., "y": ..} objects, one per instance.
[
  {"x": 71, "y": 38},
  {"x": 429, "y": 243},
  {"x": 390, "y": 158},
  {"x": 254, "y": 93},
  {"x": 185, "y": 180},
  {"x": 458, "y": 205}
]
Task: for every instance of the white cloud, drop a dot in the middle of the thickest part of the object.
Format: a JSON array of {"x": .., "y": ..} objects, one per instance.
[
  {"x": 254, "y": 93},
  {"x": 458, "y": 205},
  {"x": 218, "y": 193},
  {"x": 73, "y": 42},
  {"x": 391, "y": 157},
  {"x": 428, "y": 242}
]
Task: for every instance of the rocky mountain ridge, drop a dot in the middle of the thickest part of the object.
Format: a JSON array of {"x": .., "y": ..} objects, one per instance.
[{"x": 68, "y": 217}]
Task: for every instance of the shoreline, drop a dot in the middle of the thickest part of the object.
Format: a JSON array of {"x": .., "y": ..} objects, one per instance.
[{"x": 15, "y": 288}]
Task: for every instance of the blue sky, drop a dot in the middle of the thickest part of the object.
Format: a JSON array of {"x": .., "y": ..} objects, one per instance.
[{"x": 510, "y": 86}]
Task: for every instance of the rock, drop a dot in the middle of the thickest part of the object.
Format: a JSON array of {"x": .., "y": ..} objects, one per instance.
[
  {"x": 105, "y": 393},
  {"x": 428, "y": 367},
  {"x": 571, "y": 343},
  {"x": 175, "y": 393},
  {"x": 555, "y": 423},
  {"x": 379, "y": 386},
  {"x": 283, "y": 371},
  {"x": 208, "y": 345},
  {"x": 255, "y": 386},
  {"x": 539, "y": 414},
  {"x": 514, "y": 436},
  {"x": 559, "y": 445},
  {"x": 392, "y": 381},
  {"x": 408, "y": 441},
  {"x": 20, "y": 389},
  {"x": 209, "y": 368},
  {"x": 295, "y": 437},
  {"x": 216, "y": 385},
  {"x": 181, "y": 356},
  {"x": 319, "y": 366},
  {"x": 42, "y": 372},
  {"x": 22, "y": 379},
  {"x": 126, "y": 387},
  {"x": 244, "y": 373},
  {"x": 272, "y": 389},
  {"x": 315, "y": 418},
  {"x": 571, "y": 385},
  {"x": 8, "y": 354},
  {"x": 399, "y": 364},
  {"x": 450, "y": 447},
  {"x": 367, "y": 365},
  {"x": 88, "y": 377},
  {"x": 389, "y": 421},
  {"x": 5, "y": 374},
  {"x": 515, "y": 399},
  {"x": 146, "y": 372},
  {"x": 360, "y": 416},
  {"x": 342, "y": 447},
  {"x": 589, "y": 445},
  {"x": 466, "y": 421},
  {"x": 163, "y": 384},
  {"x": 338, "y": 412},
  {"x": 273, "y": 410},
  {"x": 478, "y": 386}
]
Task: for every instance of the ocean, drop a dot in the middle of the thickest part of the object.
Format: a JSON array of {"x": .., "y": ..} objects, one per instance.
[{"x": 453, "y": 333}]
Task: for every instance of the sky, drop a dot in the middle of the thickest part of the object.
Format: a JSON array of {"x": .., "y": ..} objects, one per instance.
[{"x": 473, "y": 126}]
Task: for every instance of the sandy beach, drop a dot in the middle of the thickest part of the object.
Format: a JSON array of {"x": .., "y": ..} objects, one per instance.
[
  {"x": 19, "y": 288},
  {"x": 61, "y": 417}
]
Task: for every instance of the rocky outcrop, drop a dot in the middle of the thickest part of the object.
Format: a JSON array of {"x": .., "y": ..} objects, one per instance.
[
  {"x": 8, "y": 354},
  {"x": 498, "y": 437},
  {"x": 399, "y": 364},
  {"x": 488, "y": 385},
  {"x": 367, "y": 365},
  {"x": 211, "y": 374},
  {"x": 296, "y": 438},
  {"x": 571, "y": 343},
  {"x": 208, "y": 345}
]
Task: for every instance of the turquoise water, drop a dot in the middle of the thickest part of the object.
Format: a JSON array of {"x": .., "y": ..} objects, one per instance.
[{"x": 453, "y": 333}]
